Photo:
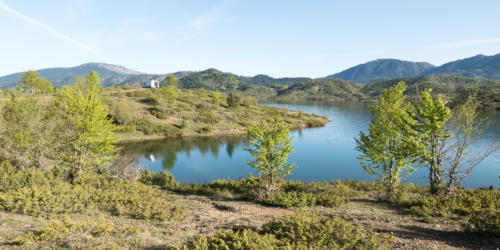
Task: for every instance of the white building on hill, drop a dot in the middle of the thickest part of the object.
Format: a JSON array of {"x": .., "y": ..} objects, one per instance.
[{"x": 151, "y": 84}]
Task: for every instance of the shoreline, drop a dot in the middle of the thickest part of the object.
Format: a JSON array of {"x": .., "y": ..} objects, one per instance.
[{"x": 235, "y": 132}]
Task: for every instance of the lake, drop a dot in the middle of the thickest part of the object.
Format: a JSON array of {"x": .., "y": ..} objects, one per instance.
[{"x": 321, "y": 154}]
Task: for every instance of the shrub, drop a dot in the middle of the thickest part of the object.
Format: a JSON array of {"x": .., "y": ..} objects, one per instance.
[
  {"x": 183, "y": 124},
  {"x": 152, "y": 128},
  {"x": 160, "y": 113},
  {"x": 60, "y": 230},
  {"x": 121, "y": 113},
  {"x": 292, "y": 199},
  {"x": 481, "y": 208},
  {"x": 313, "y": 123},
  {"x": 39, "y": 193},
  {"x": 294, "y": 194},
  {"x": 205, "y": 130},
  {"x": 229, "y": 239},
  {"x": 303, "y": 230},
  {"x": 163, "y": 179},
  {"x": 207, "y": 117},
  {"x": 142, "y": 93},
  {"x": 125, "y": 129},
  {"x": 485, "y": 220}
]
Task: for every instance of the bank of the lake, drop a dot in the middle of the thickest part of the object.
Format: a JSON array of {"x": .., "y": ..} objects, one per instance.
[{"x": 150, "y": 114}]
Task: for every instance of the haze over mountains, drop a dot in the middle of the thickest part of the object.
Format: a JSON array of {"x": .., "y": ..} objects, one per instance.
[{"x": 479, "y": 66}]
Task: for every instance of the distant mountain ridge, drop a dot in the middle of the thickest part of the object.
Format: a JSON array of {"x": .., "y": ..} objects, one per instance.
[
  {"x": 110, "y": 74},
  {"x": 116, "y": 75},
  {"x": 382, "y": 69},
  {"x": 479, "y": 66}
]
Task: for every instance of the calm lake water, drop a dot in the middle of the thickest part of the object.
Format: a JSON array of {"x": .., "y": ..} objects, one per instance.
[{"x": 321, "y": 154}]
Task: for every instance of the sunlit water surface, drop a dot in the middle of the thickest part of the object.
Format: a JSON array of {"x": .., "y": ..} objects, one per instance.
[{"x": 321, "y": 154}]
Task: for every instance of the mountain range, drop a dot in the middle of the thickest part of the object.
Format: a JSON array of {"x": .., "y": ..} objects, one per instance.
[{"x": 479, "y": 66}]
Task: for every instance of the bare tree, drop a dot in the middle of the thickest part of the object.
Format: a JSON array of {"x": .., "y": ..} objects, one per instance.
[{"x": 467, "y": 128}]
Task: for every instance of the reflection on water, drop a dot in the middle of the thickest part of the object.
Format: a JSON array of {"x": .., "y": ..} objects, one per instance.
[
  {"x": 321, "y": 154},
  {"x": 165, "y": 154}
]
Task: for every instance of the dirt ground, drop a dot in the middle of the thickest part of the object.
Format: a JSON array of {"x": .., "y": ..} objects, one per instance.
[{"x": 206, "y": 215}]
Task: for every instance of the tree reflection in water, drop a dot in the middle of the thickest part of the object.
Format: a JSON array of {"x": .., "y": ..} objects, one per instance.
[{"x": 167, "y": 150}]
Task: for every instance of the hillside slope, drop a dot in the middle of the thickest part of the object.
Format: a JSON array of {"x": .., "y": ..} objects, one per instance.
[
  {"x": 326, "y": 89},
  {"x": 382, "y": 69},
  {"x": 268, "y": 81},
  {"x": 477, "y": 66},
  {"x": 111, "y": 75}
]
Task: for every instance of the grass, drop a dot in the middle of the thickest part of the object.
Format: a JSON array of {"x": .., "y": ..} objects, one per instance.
[{"x": 143, "y": 114}]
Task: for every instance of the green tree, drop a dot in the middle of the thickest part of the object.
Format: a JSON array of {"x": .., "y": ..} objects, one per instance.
[
  {"x": 85, "y": 130},
  {"x": 93, "y": 82},
  {"x": 31, "y": 80},
  {"x": 387, "y": 149},
  {"x": 171, "y": 80},
  {"x": 26, "y": 133},
  {"x": 270, "y": 146},
  {"x": 232, "y": 101},
  {"x": 81, "y": 83},
  {"x": 432, "y": 117},
  {"x": 215, "y": 97},
  {"x": 169, "y": 94}
]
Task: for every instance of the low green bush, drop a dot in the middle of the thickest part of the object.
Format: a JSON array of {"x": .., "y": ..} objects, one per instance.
[
  {"x": 163, "y": 179},
  {"x": 56, "y": 231},
  {"x": 206, "y": 117},
  {"x": 464, "y": 203},
  {"x": 292, "y": 199},
  {"x": 313, "y": 123},
  {"x": 485, "y": 220},
  {"x": 479, "y": 208},
  {"x": 152, "y": 128},
  {"x": 205, "y": 130},
  {"x": 45, "y": 193},
  {"x": 294, "y": 193},
  {"x": 141, "y": 93},
  {"x": 125, "y": 129},
  {"x": 229, "y": 239},
  {"x": 304, "y": 230},
  {"x": 121, "y": 113}
]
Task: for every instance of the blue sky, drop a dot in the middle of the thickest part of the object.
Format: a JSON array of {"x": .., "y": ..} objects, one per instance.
[{"x": 278, "y": 38}]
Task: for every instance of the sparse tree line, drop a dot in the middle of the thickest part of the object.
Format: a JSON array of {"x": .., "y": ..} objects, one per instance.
[
  {"x": 405, "y": 135},
  {"x": 72, "y": 130}
]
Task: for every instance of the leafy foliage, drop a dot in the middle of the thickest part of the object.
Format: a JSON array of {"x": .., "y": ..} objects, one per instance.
[
  {"x": 31, "y": 80},
  {"x": 171, "y": 81},
  {"x": 26, "y": 137},
  {"x": 270, "y": 146},
  {"x": 85, "y": 131},
  {"x": 215, "y": 97},
  {"x": 387, "y": 151},
  {"x": 169, "y": 94},
  {"x": 432, "y": 117}
]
